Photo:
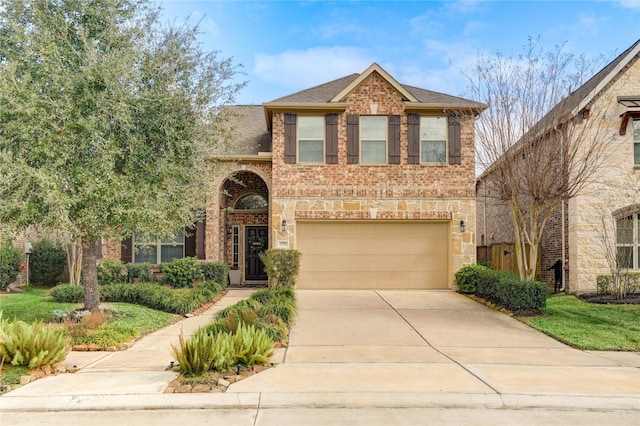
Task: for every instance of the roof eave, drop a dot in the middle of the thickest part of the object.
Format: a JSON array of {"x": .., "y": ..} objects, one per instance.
[
  {"x": 423, "y": 106},
  {"x": 270, "y": 107}
]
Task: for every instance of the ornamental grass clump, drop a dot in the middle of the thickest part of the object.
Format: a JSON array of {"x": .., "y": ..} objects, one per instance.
[{"x": 32, "y": 345}]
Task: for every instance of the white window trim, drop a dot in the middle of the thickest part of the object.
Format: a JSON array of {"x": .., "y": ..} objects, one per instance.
[
  {"x": 235, "y": 245},
  {"x": 446, "y": 140},
  {"x": 386, "y": 140},
  {"x": 324, "y": 140},
  {"x": 159, "y": 244},
  {"x": 635, "y": 243}
]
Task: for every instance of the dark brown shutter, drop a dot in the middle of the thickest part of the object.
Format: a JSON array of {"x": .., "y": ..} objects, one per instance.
[
  {"x": 394, "y": 139},
  {"x": 290, "y": 138},
  {"x": 190, "y": 242},
  {"x": 200, "y": 244},
  {"x": 353, "y": 139},
  {"x": 126, "y": 250},
  {"x": 331, "y": 131},
  {"x": 454, "y": 140},
  {"x": 413, "y": 134}
]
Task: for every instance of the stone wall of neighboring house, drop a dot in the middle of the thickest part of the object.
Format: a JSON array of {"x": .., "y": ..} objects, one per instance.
[
  {"x": 373, "y": 192},
  {"x": 615, "y": 185}
]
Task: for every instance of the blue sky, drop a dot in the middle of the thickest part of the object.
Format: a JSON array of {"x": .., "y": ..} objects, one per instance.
[{"x": 287, "y": 46}]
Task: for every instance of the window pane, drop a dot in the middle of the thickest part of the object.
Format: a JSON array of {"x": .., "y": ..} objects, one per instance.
[
  {"x": 311, "y": 151},
  {"x": 310, "y": 127},
  {"x": 433, "y": 128},
  {"x": 170, "y": 252},
  {"x": 625, "y": 257},
  {"x": 250, "y": 202},
  {"x": 636, "y": 130},
  {"x": 636, "y": 153},
  {"x": 374, "y": 127},
  {"x": 146, "y": 253},
  {"x": 624, "y": 230},
  {"x": 374, "y": 152},
  {"x": 433, "y": 152}
]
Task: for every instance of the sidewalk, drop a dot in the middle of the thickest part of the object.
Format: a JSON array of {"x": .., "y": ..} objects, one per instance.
[{"x": 361, "y": 350}]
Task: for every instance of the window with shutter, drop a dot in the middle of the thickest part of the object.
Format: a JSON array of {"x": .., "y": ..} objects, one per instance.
[
  {"x": 373, "y": 139},
  {"x": 311, "y": 133},
  {"x": 433, "y": 139},
  {"x": 413, "y": 136},
  {"x": 636, "y": 142}
]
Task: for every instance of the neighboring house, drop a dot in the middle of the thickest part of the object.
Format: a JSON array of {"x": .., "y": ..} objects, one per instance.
[
  {"x": 611, "y": 200},
  {"x": 373, "y": 181}
]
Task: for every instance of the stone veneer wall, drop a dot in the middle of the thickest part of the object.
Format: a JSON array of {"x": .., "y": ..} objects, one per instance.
[
  {"x": 616, "y": 185},
  {"x": 375, "y": 192}
]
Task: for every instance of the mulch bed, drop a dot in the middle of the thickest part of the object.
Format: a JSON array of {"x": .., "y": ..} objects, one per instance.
[{"x": 632, "y": 299}]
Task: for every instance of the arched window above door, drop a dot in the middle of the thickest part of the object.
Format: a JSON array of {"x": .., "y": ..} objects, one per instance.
[{"x": 251, "y": 202}]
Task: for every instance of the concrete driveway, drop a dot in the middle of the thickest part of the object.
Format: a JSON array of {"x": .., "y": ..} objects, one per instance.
[{"x": 433, "y": 347}]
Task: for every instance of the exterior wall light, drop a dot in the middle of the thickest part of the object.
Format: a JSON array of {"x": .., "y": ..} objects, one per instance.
[
  {"x": 283, "y": 225},
  {"x": 230, "y": 230},
  {"x": 463, "y": 226}
]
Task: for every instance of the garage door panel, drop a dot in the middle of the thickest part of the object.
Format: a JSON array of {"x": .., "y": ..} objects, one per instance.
[{"x": 373, "y": 255}]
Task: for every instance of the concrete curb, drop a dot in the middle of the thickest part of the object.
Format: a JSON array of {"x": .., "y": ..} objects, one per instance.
[{"x": 315, "y": 400}]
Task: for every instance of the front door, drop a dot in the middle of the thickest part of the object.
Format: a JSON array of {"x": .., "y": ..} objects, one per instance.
[{"x": 256, "y": 242}]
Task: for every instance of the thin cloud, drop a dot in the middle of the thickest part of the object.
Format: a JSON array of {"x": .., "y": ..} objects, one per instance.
[
  {"x": 629, "y": 4},
  {"x": 300, "y": 69}
]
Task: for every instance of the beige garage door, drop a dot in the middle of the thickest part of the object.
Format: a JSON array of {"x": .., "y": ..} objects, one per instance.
[{"x": 373, "y": 255}]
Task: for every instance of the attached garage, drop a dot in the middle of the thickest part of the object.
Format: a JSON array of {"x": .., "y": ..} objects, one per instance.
[{"x": 373, "y": 254}]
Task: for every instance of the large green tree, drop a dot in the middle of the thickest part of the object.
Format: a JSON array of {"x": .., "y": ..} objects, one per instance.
[{"x": 108, "y": 117}]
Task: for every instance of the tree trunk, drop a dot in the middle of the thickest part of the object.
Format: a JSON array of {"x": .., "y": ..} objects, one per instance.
[
  {"x": 74, "y": 260},
  {"x": 90, "y": 275}
]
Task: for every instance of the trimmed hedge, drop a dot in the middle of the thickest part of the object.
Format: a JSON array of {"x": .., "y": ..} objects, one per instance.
[
  {"x": 282, "y": 266},
  {"x": 9, "y": 262},
  {"x": 47, "y": 262},
  {"x": 151, "y": 295},
  {"x": 504, "y": 287},
  {"x": 215, "y": 271}
]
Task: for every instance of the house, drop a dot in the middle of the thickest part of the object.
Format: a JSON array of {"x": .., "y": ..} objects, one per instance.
[
  {"x": 609, "y": 203},
  {"x": 372, "y": 180}
]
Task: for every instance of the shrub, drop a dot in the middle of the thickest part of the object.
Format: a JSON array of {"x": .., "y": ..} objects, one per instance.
[
  {"x": 182, "y": 272},
  {"x": 220, "y": 351},
  {"x": 140, "y": 272},
  {"x": 630, "y": 281},
  {"x": 9, "y": 262},
  {"x": 467, "y": 278},
  {"x": 111, "y": 271},
  {"x": 252, "y": 345},
  {"x": 215, "y": 271},
  {"x": 47, "y": 261},
  {"x": 32, "y": 345},
  {"x": 195, "y": 355},
  {"x": 67, "y": 293},
  {"x": 282, "y": 266},
  {"x": 516, "y": 294},
  {"x": 282, "y": 307},
  {"x": 154, "y": 296},
  {"x": 266, "y": 294}
]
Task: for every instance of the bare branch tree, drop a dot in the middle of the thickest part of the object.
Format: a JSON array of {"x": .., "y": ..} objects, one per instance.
[{"x": 538, "y": 146}]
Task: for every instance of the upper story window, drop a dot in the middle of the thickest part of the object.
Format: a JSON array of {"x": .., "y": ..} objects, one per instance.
[
  {"x": 373, "y": 139},
  {"x": 433, "y": 139},
  {"x": 156, "y": 251},
  {"x": 251, "y": 202},
  {"x": 636, "y": 142},
  {"x": 311, "y": 139},
  {"x": 628, "y": 241}
]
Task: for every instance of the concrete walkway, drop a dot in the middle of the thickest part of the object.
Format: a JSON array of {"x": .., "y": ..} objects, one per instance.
[{"x": 363, "y": 349}]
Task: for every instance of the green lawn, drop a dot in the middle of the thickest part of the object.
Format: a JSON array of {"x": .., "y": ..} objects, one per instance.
[
  {"x": 590, "y": 326},
  {"x": 131, "y": 321}
]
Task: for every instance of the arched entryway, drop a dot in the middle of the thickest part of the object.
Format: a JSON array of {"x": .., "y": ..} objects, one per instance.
[{"x": 244, "y": 206}]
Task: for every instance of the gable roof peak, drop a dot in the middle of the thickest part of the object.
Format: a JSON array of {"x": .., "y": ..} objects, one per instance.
[{"x": 365, "y": 74}]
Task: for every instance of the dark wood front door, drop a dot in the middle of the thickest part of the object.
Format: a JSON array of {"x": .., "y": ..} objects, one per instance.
[{"x": 256, "y": 242}]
